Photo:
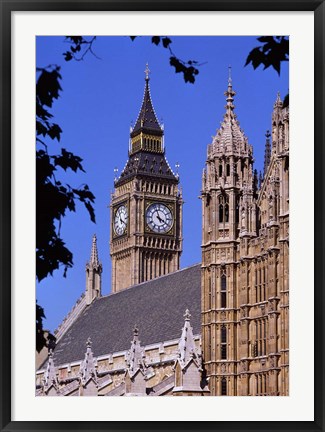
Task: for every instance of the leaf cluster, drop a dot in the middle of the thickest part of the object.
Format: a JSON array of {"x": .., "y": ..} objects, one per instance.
[
  {"x": 79, "y": 47},
  {"x": 189, "y": 68},
  {"x": 273, "y": 51},
  {"x": 54, "y": 198},
  {"x": 40, "y": 338}
]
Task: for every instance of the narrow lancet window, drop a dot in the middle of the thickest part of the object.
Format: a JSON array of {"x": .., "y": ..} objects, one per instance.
[
  {"x": 224, "y": 386},
  {"x": 223, "y": 302}
]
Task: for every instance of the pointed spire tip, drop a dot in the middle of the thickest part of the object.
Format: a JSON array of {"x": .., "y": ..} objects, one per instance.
[
  {"x": 229, "y": 76},
  {"x": 147, "y": 72}
]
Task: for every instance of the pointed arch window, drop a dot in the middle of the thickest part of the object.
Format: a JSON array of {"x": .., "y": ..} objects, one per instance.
[
  {"x": 220, "y": 170},
  {"x": 228, "y": 169},
  {"x": 223, "y": 294},
  {"x": 224, "y": 386},
  {"x": 223, "y": 345},
  {"x": 223, "y": 334},
  {"x": 223, "y": 208},
  {"x": 237, "y": 209}
]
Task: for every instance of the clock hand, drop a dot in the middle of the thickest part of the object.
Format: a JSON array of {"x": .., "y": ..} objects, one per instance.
[{"x": 158, "y": 217}]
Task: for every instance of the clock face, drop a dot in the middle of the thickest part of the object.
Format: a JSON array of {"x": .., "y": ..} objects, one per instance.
[
  {"x": 121, "y": 220},
  {"x": 159, "y": 218}
]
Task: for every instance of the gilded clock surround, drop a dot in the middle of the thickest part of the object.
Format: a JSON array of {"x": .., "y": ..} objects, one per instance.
[
  {"x": 171, "y": 208},
  {"x": 116, "y": 207}
]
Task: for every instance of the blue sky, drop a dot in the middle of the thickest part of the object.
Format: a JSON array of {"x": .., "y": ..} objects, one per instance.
[{"x": 100, "y": 99}]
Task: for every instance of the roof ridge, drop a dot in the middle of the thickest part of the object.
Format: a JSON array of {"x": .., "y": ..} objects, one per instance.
[{"x": 145, "y": 282}]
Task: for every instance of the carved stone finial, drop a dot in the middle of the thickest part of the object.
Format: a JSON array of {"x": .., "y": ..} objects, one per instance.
[
  {"x": 187, "y": 315},
  {"x": 88, "y": 365},
  {"x": 278, "y": 101},
  {"x": 50, "y": 373},
  {"x": 135, "y": 357},
  {"x": 94, "y": 252},
  {"x": 186, "y": 346}
]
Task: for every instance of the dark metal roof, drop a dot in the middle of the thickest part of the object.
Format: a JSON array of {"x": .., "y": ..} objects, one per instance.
[
  {"x": 156, "y": 307},
  {"x": 147, "y": 164},
  {"x": 147, "y": 120}
]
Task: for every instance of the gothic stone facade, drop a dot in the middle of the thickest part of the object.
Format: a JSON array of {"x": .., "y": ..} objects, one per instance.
[
  {"x": 245, "y": 260},
  {"x": 237, "y": 342}
]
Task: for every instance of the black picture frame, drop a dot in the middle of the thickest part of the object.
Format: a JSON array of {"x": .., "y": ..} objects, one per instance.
[{"x": 7, "y": 7}]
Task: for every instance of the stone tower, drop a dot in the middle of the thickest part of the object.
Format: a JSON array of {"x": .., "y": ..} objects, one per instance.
[
  {"x": 229, "y": 222},
  {"x": 146, "y": 206}
]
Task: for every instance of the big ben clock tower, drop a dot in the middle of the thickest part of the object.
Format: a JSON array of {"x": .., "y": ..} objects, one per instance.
[{"x": 146, "y": 206}]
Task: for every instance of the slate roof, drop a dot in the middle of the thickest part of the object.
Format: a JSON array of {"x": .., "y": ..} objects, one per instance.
[
  {"x": 156, "y": 307},
  {"x": 147, "y": 164},
  {"x": 147, "y": 119}
]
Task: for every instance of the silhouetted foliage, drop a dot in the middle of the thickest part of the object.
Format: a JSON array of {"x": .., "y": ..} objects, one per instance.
[
  {"x": 40, "y": 338},
  {"x": 79, "y": 47},
  {"x": 189, "y": 68},
  {"x": 273, "y": 51},
  {"x": 53, "y": 198}
]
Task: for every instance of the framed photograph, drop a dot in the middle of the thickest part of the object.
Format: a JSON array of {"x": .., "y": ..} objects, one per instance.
[{"x": 158, "y": 205}]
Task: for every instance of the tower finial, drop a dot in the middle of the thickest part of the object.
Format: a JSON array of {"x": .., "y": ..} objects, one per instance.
[
  {"x": 267, "y": 152},
  {"x": 229, "y": 93},
  {"x": 93, "y": 274},
  {"x": 147, "y": 72},
  {"x": 94, "y": 252},
  {"x": 187, "y": 315}
]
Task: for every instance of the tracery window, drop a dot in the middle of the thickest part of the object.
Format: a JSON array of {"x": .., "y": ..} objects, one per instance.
[
  {"x": 224, "y": 208},
  {"x": 260, "y": 337}
]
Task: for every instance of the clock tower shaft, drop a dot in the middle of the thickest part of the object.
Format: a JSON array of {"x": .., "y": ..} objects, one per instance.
[{"x": 147, "y": 243}]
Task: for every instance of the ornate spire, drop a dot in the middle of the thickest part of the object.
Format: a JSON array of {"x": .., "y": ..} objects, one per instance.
[
  {"x": 230, "y": 138},
  {"x": 146, "y": 145},
  {"x": 88, "y": 367},
  {"x": 93, "y": 274},
  {"x": 135, "y": 357},
  {"x": 267, "y": 153},
  {"x": 94, "y": 252},
  {"x": 229, "y": 94},
  {"x": 186, "y": 346},
  {"x": 147, "y": 120},
  {"x": 50, "y": 374}
]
